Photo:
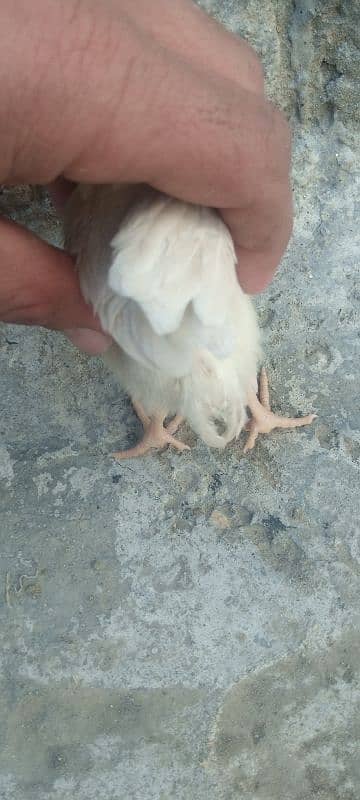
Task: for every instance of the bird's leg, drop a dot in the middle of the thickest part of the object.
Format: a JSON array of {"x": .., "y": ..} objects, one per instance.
[
  {"x": 263, "y": 419},
  {"x": 174, "y": 424},
  {"x": 156, "y": 435},
  {"x": 140, "y": 412}
]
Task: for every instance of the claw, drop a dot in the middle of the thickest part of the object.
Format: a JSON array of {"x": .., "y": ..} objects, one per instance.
[
  {"x": 263, "y": 419},
  {"x": 156, "y": 435}
]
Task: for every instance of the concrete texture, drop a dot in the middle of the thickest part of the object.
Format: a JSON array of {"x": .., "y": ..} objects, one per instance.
[{"x": 188, "y": 626}]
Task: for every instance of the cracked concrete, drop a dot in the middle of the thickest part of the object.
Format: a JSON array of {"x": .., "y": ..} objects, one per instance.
[{"x": 187, "y": 626}]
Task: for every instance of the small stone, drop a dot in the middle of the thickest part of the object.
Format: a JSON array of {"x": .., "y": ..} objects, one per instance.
[{"x": 220, "y": 520}]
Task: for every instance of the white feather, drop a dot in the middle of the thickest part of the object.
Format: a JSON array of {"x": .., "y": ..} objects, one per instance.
[{"x": 161, "y": 276}]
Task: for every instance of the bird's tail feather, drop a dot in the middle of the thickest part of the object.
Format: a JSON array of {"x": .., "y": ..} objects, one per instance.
[{"x": 212, "y": 400}]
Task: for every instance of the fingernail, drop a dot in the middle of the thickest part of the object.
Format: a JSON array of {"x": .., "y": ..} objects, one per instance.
[{"x": 253, "y": 284}]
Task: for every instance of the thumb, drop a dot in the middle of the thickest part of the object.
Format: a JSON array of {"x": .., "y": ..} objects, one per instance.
[{"x": 39, "y": 286}]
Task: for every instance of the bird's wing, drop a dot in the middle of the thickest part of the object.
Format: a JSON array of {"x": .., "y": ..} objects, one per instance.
[{"x": 171, "y": 287}]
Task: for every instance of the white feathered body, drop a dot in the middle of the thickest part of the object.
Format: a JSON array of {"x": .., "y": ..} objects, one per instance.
[{"x": 161, "y": 275}]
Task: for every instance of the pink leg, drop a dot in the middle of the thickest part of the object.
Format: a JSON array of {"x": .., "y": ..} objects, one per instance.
[
  {"x": 263, "y": 419},
  {"x": 156, "y": 435}
]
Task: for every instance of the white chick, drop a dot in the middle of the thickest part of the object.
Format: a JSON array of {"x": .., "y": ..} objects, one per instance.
[{"x": 161, "y": 276}]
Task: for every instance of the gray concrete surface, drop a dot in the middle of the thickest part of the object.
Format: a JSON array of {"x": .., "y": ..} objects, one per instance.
[{"x": 187, "y": 626}]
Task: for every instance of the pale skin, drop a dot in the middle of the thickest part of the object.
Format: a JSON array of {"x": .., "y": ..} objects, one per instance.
[
  {"x": 263, "y": 420},
  {"x": 158, "y": 435},
  {"x": 108, "y": 92}
]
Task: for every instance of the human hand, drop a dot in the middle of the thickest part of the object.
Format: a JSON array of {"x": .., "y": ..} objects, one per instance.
[{"x": 110, "y": 92}]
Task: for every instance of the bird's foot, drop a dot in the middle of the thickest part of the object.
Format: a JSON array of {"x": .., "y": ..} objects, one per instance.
[
  {"x": 156, "y": 435},
  {"x": 263, "y": 419}
]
